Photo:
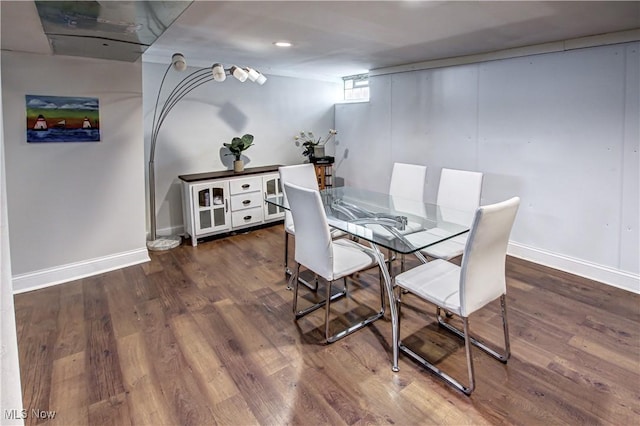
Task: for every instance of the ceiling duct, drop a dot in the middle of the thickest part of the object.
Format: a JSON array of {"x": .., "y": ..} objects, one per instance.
[{"x": 116, "y": 30}]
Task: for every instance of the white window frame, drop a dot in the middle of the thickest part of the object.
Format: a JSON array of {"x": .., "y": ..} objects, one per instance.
[{"x": 356, "y": 88}]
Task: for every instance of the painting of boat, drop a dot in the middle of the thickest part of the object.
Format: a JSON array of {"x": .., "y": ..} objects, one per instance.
[{"x": 62, "y": 119}]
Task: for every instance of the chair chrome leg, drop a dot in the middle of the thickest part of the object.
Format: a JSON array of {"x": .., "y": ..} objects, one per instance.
[
  {"x": 300, "y": 313},
  {"x": 468, "y": 341},
  {"x": 304, "y": 282},
  {"x": 330, "y": 298},
  {"x": 313, "y": 287},
  {"x": 287, "y": 271},
  {"x": 500, "y": 357},
  {"x": 290, "y": 281},
  {"x": 315, "y": 307},
  {"x": 359, "y": 325},
  {"x": 467, "y": 349},
  {"x": 353, "y": 328},
  {"x": 327, "y": 309},
  {"x": 505, "y": 327},
  {"x": 399, "y": 305},
  {"x": 441, "y": 374},
  {"x": 294, "y": 277},
  {"x": 381, "y": 282}
]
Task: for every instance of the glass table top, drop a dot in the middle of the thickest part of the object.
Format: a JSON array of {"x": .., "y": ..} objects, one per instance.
[{"x": 399, "y": 224}]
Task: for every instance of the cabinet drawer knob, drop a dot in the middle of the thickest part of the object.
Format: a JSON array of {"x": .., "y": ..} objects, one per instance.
[
  {"x": 245, "y": 186},
  {"x": 245, "y": 202},
  {"x": 247, "y": 217}
]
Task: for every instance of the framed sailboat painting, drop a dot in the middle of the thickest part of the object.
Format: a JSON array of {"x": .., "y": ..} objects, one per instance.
[{"x": 62, "y": 119}]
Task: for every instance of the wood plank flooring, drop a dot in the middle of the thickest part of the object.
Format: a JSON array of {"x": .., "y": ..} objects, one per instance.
[{"x": 205, "y": 335}]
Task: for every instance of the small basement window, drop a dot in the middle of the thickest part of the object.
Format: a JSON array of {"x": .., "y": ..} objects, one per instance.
[{"x": 356, "y": 88}]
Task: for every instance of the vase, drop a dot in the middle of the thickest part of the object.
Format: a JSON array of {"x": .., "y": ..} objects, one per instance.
[
  {"x": 318, "y": 151},
  {"x": 238, "y": 165}
]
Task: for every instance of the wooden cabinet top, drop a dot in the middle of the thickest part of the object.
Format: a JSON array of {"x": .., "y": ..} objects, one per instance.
[{"x": 228, "y": 173}]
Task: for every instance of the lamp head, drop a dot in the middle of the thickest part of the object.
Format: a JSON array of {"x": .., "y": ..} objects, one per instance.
[
  {"x": 261, "y": 79},
  {"x": 219, "y": 74},
  {"x": 239, "y": 73},
  {"x": 179, "y": 62},
  {"x": 255, "y": 76}
]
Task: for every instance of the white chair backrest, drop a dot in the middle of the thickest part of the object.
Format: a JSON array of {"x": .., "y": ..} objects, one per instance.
[
  {"x": 314, "y": 249},
  {"x": 459, "y": 189},
  {"x": 300, "y": 174},
  {"x": 407, "y": 181},
  {"x": 459, "y": 195},
  {"x": 407, "y": 206},
  {"x": 482, "y": 275}
]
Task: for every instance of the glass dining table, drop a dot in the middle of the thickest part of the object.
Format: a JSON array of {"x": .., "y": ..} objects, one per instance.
[{"x": 399, "y": 225}]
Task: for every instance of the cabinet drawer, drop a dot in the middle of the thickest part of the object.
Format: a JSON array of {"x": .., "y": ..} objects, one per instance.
[
  {"x": 246, "y": 201},
  {"x": 246, "y": 217},
  {"x": 240, "y": 186}
]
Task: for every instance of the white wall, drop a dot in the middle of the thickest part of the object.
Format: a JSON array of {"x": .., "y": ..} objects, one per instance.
[
  {"x": 75, "y": 209},
  {"x": 192, "y": 136},
  {"x": 561, "y": 130},
  {"x": 10, "y": 390}
]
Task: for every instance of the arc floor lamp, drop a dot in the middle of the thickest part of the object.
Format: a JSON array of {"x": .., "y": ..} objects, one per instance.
[{"x": 195, "y": 79}]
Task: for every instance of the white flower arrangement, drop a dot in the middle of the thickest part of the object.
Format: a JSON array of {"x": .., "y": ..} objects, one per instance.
[{"x": 308, "y": 141}]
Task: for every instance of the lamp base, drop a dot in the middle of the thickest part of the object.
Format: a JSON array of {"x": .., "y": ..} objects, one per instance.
[{"x": 164, "y": 243}]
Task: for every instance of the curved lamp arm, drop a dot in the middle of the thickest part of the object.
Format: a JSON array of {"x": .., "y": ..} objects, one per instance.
[{"x": 183, "y": 88}]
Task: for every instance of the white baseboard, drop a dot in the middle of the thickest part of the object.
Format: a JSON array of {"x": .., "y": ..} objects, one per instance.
[
  {"x": 61, "y": 274},
  {"x": 613, "y": 277},
  {"x": 73, "y": 271}
]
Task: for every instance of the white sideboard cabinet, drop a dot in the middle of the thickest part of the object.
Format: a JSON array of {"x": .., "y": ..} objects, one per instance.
[{"x": 224, "y": 201}]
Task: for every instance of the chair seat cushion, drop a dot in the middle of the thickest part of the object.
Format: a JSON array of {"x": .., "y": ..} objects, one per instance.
[
  {"x": 437, "y": 281},
  {"x": 350, "y": 257},
  {"x": 446, "y": 250}
]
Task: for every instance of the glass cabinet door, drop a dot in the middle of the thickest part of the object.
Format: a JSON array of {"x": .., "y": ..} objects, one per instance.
[
  {"x": 271, "y": 186},
  {"x": 212, "y": 207}
]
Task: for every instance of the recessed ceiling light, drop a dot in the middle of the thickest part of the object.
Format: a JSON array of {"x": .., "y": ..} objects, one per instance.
[{"x": 282, "y": 43}]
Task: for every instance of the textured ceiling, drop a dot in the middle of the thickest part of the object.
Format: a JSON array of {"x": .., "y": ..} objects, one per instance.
[{"x": 331, "y": 39}]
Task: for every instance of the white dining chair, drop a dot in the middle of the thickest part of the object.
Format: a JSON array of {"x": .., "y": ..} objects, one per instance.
[
  {"x": 328, "y": 258},
  {"x": 405, "y": 188},
  {"x": 303, "y": 175},
  {"x": 462, "y": 290},
  {"x": 458, "y": 193},
  {"x": 407, "y": 181}
]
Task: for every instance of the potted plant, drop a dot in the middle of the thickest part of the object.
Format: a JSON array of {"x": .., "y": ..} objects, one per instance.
[
  {"x": 236, "y": 147},
  {"x": 313, "y": 148}
]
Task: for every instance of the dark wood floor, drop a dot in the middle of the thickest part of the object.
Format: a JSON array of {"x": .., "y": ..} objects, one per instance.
[{"x": 205, "y": 335}]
